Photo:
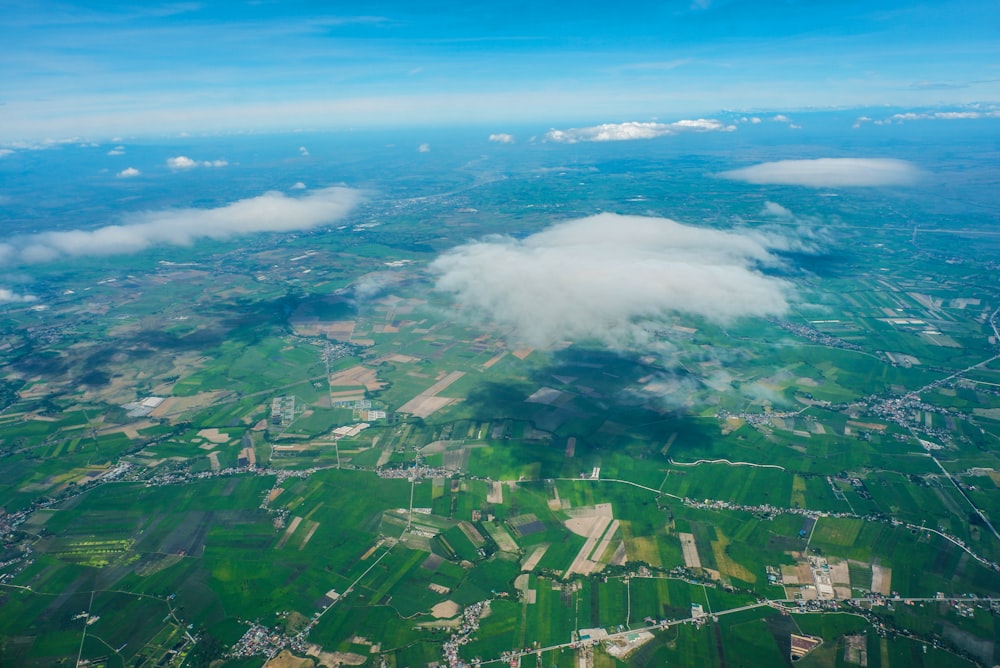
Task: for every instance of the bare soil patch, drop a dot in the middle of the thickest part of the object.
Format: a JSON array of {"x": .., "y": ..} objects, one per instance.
[
  {"x": 288, "y": 660},
  {"x": 178, "y": 405},
  {"x": 690, "y": 550},
  {"x": 446, "y": 610},
  {"x": 213, "y": 435},
  {"x": 292, "y": 526},
  {"x": 358, "y": 375},
  {"x": 532, "y": 561}
]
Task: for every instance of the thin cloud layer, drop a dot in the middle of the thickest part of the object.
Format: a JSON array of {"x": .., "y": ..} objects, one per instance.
[
  {"x": 611, "y": 278},
  {"x": 828, "y": 172},
  {"x": 502, "y": 138},
  {"x": 635, "y": 130},
  {"x": 897, "y": 119},
  {"x": 270, "y": 212},
  {"x": 8, "y": 296}
]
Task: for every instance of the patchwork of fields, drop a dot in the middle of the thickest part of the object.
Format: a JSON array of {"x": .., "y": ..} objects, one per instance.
[{"x": 302, "y": 447}]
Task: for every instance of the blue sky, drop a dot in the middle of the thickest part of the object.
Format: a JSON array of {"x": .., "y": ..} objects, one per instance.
[{"x": 103, "y": 69}]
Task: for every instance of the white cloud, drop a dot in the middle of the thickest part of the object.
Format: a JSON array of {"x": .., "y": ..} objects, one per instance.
[
  {"x": 611, "y": 278},
  {"x": 502, "y": 138},
  {"x": 181, "y": 162},
  {"x": 782, "y": 118},
  {"x": 424, "y": 148},
  {"x": 270, "y": 212},
  {"x": 303, "y": 151},
  {"x": 117, "y": 150},
  {"x": 298, "y": 186},
  {"x": 829, "y": 172},
  {"x": 776, "y": 210},
  {"x": 929, "y": 116},
  {"x": 635, "y": 130},
  {"x": 184, "y": 162},
  {"x": 44, "y": 144},
  {"x": 371, "y": 285},
  {"x": 962, "y": 115},
  {"x": 128, "y": 172},
  {"x": 4, "y": 152},
  {"x": 8, "y": 296}
]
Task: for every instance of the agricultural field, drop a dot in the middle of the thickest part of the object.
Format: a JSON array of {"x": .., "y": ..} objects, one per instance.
[{"x": 298, "y": 444}]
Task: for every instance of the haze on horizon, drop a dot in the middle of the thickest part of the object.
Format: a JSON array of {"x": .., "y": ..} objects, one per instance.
[{"x": 76, "y": 69}]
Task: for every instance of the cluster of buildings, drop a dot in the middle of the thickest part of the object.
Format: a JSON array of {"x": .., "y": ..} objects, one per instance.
[
  {"x": 335, "y": 351},
  {"x": 364, "y": 409},
  {"x": 349, "y": 431},
  {"x": 468, "y": 625},
  {"x": 262, "y": 641},
  {"x": 417, "y": 472},
  {"x": 183, "y": 476},
  {"x": 903, "y": 410},
  {"x": 859, "y": 487},
  {"x": 765, "y": 510},
  {"x": 816, "y": 336},
  {"x": 138, "y": 409},
  {"x": 756, "y": 419},
  {"x": 283, "y": 410},
  {"x": 354, "y": 404},
  {"x": 808, "y": 605}
]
